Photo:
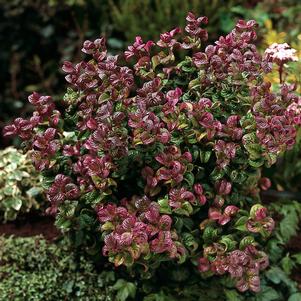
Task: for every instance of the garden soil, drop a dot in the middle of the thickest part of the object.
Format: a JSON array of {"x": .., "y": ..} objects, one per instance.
[{"x": 35, "y": 225}]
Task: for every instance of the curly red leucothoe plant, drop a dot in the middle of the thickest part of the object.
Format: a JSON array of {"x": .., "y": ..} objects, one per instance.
[{"x": 166, "y": 149}]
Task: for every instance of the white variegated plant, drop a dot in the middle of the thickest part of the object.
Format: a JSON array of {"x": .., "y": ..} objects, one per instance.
[{"x": 20, "y": 185}]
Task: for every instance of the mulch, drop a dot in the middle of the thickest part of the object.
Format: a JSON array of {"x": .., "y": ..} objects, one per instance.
[
  {"x": 294, "y": 244},
  {"x": 31, "y": 226}
]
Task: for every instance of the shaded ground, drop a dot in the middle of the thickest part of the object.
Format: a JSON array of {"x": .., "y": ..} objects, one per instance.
[
  {"x": 295, "y": 244},
  {"x": 35, "y": 225}
]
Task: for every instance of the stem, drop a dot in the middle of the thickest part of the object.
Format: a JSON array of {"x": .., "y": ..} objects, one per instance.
[{"x": 280, "y": 73}]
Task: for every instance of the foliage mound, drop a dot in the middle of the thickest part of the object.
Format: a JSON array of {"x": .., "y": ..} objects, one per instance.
[
  {"x": 157, "y": 159},
  {"x": 33, "y": 269}
]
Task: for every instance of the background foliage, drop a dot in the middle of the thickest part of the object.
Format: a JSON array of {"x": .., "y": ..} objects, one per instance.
[{"x": 35, "y": 37}]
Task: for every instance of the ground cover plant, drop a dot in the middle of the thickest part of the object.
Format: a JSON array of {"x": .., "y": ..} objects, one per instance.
[
  {"x": 156, "y": 159},
  {"x": 34, "y": 269}
]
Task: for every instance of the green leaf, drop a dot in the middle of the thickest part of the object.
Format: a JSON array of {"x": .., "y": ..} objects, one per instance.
[
  {"x": 295, "y": 297},
  {"x": 189, "y": 241},
  {"x": 15, "y": 204},
  {"x": 210, "y": 234},
  {"x": 274, "y": 274},
  {"x": 267, "y": 294},
  {"x": 241, "y": 223},
  {"x": 195, "y": 83},
  {"x": 8, "y": 190},
  {"x": 86, "y": 218},
  {"x": 254, "y": 209},
  {"x": 256, "y": 163},
  {"x": 164, "y": 206},
  {"x": 217, "y": 174},
  {"x": 233, "y": 295},
  {"x": 186, "y": 209},
  {"x": 227, "y": 21},
  {"x": 249, "y": 139},
  {"x": 63, "y": 223},
  {"x": 289, "y": 224},
  {"x": 297, "y": 258},
  {"x": 10, "y": 215},
  {"x": 238, "y": 176},
  {"x": 155, "y": 61},
  {"x": 254, "y": 150},
  {"x": 275, "y": 250},
  {"x": 159, "y": 297},
  {"x": 18, "y": 175},
  {"x": 205, "y": 156},
  {"x": 228, "y": 242},
  {"x": 68, "y": 286},
  {"x": 33, "y": 192},
  {"x": 189, "y": 178},
  {"x": 246, "y": 241},
  {"x": 124, "y": 290},
  {"x": 188, "y": 223},
  {"x": 178, "y": 223},
  {"x": 115, "y": 43},
  {"x": 287, "y": 264},
  {"x": 277, "y": 275},
  {"x": 272, "y": 158}
]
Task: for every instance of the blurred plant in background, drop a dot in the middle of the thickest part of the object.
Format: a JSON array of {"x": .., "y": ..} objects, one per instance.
[
  {"x": 270, "y": 37},
  {"x": 20, "y": 185},
  {"x": 147, "y": 17},
  {"x": 35, "y": 37}
]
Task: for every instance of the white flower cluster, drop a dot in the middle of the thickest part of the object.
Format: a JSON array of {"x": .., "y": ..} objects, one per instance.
[{"x": 281, "y": 53}]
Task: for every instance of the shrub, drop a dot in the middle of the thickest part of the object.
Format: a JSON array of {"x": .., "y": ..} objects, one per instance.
[
  {"x": 33, "y": 269},
  {"x": 158, "y": 159},
  {"x": 20, "y": 185}
]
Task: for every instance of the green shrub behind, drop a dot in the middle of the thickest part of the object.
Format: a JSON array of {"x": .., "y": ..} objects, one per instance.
[
  {"x": 146, "y": 18},
  {"x": 32, "y": 269}
]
